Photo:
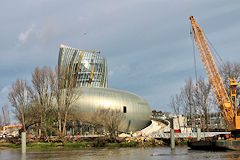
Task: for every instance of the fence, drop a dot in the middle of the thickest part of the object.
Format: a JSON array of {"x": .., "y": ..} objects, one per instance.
[{"x": 187, "y": 135}]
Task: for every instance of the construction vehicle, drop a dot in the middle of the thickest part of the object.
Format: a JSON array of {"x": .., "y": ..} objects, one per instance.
[{"x": 228, "y": 106}]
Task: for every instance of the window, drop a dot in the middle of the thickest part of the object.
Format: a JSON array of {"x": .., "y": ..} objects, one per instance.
[{"x": 124, "y": 109}]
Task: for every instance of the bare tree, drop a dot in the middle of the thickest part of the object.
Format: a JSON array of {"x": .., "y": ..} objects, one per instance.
[
  {"x": 1, "y": 120},
  {"x": 176, "y": 104},
  {"x": 66, "y": 95},
  {"x": 43, "y": 95},
  {"x": 5, "y": 113},
  {"x": 110, "y": 119},
  {"x": 203, "y": 98},
  {"x": 19, "y": 97},
  {"x": 230, "y": 70},
  {"x": 58, "y": 89},
  {"x": 49, "y": 89},
  {"x": 187, "y": 95},
  {"x": 89, "y": 119}
]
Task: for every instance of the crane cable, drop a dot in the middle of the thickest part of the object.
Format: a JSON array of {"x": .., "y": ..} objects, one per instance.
[
  {"x": 194, "y": 55},
  {"x": 215, "y": 53}
]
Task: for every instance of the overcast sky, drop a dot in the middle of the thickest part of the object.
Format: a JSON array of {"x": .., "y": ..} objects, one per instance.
[{"x": 146, "y": 42}]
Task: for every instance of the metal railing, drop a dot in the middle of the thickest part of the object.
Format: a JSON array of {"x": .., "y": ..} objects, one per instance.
[{"x": 187, "y": 135}]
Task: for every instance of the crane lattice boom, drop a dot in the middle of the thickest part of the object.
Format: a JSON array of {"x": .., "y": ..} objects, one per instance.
[{"x": 213, "y": 75}]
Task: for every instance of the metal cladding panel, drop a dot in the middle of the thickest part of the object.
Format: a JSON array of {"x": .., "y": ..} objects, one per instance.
[{"x": 93, "y": 99}]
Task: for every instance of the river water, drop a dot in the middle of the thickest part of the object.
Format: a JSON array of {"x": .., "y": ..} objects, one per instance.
[{"x": 157, "y": 153}]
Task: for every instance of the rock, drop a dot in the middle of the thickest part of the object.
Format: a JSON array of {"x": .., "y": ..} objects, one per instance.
[{"x": 124, "y": 135}]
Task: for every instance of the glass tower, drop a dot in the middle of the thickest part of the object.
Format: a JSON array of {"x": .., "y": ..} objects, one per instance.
[{"x": 89, "y": 67}]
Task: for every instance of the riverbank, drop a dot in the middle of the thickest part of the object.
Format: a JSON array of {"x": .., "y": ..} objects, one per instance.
[{"x": 83, "y": 143}]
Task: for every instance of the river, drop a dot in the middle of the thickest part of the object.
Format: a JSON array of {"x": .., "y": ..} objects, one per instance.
[{"x": 157, "y": 153}]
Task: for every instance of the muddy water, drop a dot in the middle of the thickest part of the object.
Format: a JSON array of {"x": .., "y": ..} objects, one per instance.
[{"x": 159, "y": 153}]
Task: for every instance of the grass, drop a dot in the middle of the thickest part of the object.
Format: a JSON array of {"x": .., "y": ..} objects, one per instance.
[
  {"x": 43, "y": 146},
  {"x": 54, "y": 146},
  {"x": 122, "y": 144},
  {"x": 77, "y": 145},
  {"x": 9, "y": 145}
]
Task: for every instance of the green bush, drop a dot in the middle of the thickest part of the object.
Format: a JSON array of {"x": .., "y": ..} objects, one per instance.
[
  {"x": 10, "y": 145},
  {"x": 77, "y": 145},
  {"x": 122, "y": 144},
  {"x": 42, "y": 145},
  {"x": 99, "y": 143}
]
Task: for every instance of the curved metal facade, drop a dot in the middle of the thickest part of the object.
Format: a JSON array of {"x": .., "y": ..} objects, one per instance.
[
  {"x": 89, "y": 68},
  {"x": 91, "y": 72},
  {"x": 138, "y": 111}
]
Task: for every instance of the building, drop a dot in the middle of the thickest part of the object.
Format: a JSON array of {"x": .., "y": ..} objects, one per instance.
[
  {"x": 157, "y": 114},
  {"x": 136, "y": 110},
  {"x": 89, "y": 67},
  {"x": 91, "y": 72},
  {"x": 11, "y": 130},
  {"x": 188, "y": 123},
  {"x": 216, "y": 121},
  {"x": 180, "y": 124}
]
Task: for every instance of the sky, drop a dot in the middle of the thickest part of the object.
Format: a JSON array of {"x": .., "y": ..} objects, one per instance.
[{"x": 147, "y": 43}]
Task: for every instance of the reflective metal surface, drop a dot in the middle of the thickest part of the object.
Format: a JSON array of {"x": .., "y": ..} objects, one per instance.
[
  {"x": 138, "y": 111},
  {"x": 91, "y": 72}
]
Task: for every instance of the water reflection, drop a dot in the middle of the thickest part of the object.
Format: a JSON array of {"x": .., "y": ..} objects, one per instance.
[
  {"x": 23, "y": 156},
  {"x": 120, "y": 154}
]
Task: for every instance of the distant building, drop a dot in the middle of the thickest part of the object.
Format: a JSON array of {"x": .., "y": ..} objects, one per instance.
[
  {"x": 180, "y": 123},
  {"x": 216, "y": 122},
  {"x": 11, "y": 129},
  {"x": 157, "y": 114}
]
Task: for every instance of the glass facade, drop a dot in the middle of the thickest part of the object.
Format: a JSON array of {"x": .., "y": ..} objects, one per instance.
[{"x": 89, "y": 67}]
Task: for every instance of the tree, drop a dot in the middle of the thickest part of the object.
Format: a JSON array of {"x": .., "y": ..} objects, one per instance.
[
  {"x": 58, "y": 90},
  {"x": 66, "y": 94},
  {"x": 203, "y": 98},
  {"x": 176, "y": 104},
  {"x": 187, "y": 95},
  {"x": 1, "y": 120},
  {"x": 43, "y": 81},
  {"x": 194, "y": 99},
  {"x": 230, "y": 70},
  {"x": 19, "y": 97},
  {"x": 5, "y": 113},
  {"x": 110, "y": 119},
  {"x": 38, "y": 104}
]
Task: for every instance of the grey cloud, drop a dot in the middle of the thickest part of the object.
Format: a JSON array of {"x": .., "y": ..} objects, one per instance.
[
  {"x": 25, "y": 36},
  {"x": 38, "y": 34},
  {"x": 146, "y": 42}
]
